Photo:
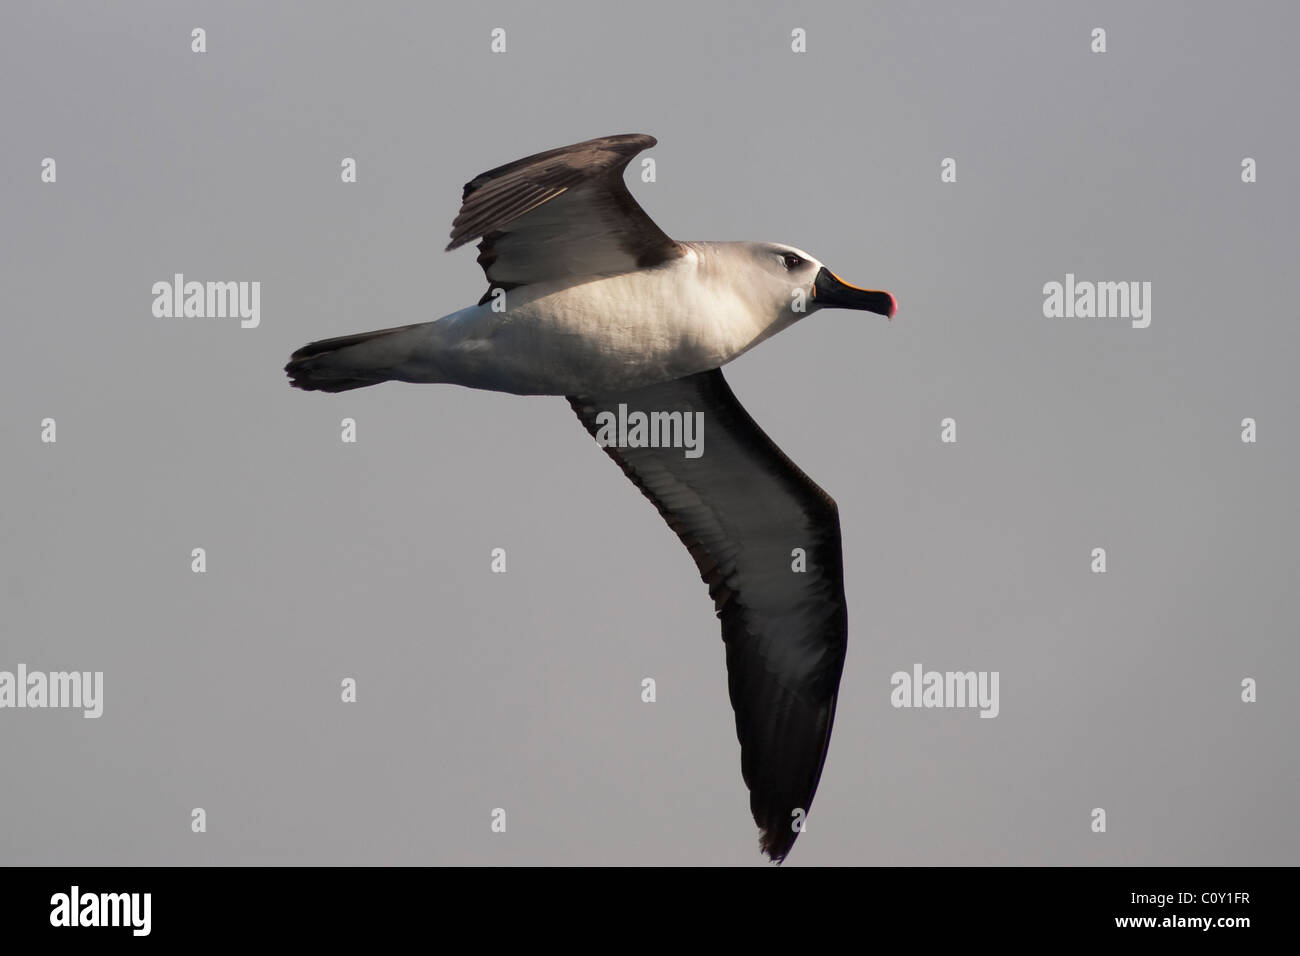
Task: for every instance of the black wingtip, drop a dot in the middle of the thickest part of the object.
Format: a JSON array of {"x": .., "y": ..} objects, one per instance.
[{"x": 776, "y": 850}]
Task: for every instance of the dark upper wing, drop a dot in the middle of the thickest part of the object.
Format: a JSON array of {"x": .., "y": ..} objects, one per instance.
[
  {"x": 565, "y": 212},
  {"x": 741, "y": 508}
]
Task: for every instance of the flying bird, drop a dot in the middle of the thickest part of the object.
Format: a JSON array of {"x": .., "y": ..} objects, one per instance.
[{"x": 589, "y": 299}]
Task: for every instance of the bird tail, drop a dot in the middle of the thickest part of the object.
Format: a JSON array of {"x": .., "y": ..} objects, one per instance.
[{"x": 347, "y": 362}]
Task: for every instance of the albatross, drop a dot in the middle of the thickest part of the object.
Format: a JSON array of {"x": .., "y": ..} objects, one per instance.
[{"x": 589, "y": 299}]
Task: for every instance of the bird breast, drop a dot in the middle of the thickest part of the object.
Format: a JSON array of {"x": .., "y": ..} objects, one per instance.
[{"x": 600, "y": 335}]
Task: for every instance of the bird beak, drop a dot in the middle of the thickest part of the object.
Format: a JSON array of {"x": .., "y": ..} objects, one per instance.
[{"x": 829, "y": 291}]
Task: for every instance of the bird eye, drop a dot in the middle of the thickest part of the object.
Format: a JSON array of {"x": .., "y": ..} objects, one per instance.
[{"x": 791, "y": 260}]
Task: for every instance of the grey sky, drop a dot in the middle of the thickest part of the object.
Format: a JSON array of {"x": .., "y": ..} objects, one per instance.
[{"x": 522, "y": 690}]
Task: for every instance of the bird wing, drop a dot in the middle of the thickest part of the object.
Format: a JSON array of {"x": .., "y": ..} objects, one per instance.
[
  {"x": 741, "y": 508},
  {"x": 562, "y": 213}
]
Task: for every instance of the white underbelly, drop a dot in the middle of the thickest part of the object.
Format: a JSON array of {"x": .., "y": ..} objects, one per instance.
[{"x": 604, "y": 335}]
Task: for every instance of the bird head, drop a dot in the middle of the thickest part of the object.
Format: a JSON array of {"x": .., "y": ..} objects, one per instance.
[{"x": 800, "y": 284}]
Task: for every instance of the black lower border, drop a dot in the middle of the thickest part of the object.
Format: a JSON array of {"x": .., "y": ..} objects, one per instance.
[{"x": 333, "y": 905}]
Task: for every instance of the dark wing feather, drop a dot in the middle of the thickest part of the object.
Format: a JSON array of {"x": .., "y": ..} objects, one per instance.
[
  {"x": 563, "y": 213},
  {"x": 741, "y": 509}
]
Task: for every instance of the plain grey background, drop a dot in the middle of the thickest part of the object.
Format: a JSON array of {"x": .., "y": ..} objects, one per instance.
[{"x": 522, "y": 691}]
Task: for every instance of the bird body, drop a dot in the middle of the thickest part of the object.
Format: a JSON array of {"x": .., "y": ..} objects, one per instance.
[
  {"x": 589, "y": 299},
  {"x": 590, "y": 335}
]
